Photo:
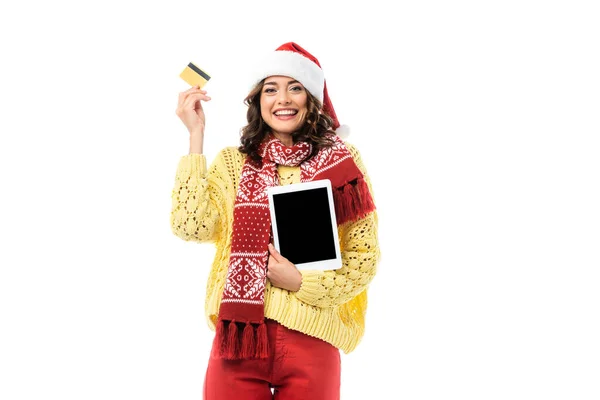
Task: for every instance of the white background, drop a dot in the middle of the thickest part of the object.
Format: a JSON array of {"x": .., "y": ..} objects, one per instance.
[{"x": 478, "y": 122}]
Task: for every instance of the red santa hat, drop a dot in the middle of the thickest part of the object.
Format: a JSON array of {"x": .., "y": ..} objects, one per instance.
[{"x": 291, "y": 60}]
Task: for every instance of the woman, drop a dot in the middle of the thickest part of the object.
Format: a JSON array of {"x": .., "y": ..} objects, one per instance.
[{"x": 283, "y": 328}]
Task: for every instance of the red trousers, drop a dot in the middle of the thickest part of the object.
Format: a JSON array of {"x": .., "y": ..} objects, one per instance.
[{"x": 300, "y": 367}]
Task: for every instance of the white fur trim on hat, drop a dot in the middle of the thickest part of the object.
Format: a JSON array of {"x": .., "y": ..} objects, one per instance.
[
  {"x": 295, "y": 65},
  {"x": 343, "y": 131}
]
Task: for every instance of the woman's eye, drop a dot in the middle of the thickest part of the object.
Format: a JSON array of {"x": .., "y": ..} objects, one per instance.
[
  {"x": 296, "y": 88},
  {"x": 269, "y": 90}
]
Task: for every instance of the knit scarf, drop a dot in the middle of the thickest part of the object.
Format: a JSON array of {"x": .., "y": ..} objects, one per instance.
[{"x": 241, "y": 331}]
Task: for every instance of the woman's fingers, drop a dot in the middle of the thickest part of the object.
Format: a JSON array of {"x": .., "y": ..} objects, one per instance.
[
  {"x": 192, "y": 100},
  {"x": 193, "y": 90},
  {"x": 184, "y": 95}
]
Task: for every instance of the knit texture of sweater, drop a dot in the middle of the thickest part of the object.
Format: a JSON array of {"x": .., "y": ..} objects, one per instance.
[{"x": 330, "y": 305}]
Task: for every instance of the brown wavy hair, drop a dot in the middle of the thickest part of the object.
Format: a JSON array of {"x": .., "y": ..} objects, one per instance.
[{"x": 316, "y": 129}]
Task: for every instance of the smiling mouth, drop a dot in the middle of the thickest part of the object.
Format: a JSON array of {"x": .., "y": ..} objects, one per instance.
[{"x": 285, "y": 113}]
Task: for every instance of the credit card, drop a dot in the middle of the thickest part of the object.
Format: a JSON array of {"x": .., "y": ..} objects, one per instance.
[{"x": 194, "y": 76}]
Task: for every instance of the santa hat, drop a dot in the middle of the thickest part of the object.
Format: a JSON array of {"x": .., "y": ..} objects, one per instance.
[{"x": 291, "y": 60}]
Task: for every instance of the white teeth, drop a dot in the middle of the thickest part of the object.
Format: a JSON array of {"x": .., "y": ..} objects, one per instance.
[{"x": 285, "y": 112}]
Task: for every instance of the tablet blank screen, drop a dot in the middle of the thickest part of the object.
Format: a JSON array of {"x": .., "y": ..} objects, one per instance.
[{"x": 304, "y": 225}]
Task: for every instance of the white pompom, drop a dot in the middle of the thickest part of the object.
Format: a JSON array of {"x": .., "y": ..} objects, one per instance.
[{"x": 343, "y": 131}]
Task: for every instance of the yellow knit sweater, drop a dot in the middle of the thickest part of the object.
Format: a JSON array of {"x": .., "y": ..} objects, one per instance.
[{"x": 330, "y": 305}]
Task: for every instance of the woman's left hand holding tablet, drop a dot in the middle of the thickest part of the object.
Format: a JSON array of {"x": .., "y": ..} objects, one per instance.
[{"x": 281, "y": 272}]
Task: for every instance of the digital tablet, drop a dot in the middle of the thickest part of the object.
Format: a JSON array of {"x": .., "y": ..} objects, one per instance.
[{"x": 304, "y": 224}]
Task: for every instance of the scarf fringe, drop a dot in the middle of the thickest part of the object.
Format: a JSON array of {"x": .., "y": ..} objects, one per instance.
[
  {"x": 262, "y": 344},
  {"x": 248, "y": 341},
  {"x": 353, "y": 201},
  {"x": 234, "y": 343}
]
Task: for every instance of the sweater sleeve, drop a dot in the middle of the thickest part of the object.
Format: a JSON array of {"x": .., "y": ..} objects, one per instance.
[
  {"x": 360, "y": 255},
  {"x": 199, "y": 198}
]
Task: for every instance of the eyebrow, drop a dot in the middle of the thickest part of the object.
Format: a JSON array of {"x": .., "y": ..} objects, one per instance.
[{"x": 275, "y": 83}]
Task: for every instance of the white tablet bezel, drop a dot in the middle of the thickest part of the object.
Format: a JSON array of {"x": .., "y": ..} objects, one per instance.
[{"x": 331, "y": 264}]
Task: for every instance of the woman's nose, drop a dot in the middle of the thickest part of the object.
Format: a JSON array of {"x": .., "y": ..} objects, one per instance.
[{"x": 283, "y": 97}]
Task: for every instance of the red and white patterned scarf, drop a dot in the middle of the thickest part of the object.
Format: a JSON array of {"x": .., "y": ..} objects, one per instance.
[{"x": 241, "y": 331}]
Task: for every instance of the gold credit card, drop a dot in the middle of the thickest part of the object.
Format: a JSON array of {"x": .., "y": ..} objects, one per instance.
[{"x": 194, "y": 75}]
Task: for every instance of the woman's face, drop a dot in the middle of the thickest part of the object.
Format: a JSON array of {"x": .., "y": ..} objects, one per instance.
[{"x": 283, "y": 105}]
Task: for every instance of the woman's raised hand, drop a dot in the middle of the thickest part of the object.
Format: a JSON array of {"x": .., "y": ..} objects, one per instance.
[{"x": 190, "y": 111}]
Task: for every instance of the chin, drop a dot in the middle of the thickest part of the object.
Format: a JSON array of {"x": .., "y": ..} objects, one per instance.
[{"x": 286, "y": 130}]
